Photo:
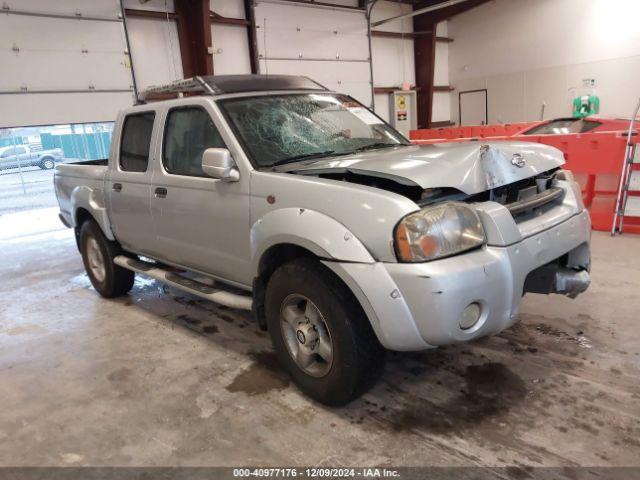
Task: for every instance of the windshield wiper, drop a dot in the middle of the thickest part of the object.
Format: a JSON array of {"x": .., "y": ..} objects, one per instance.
[
  {"x": 305, "y": 156},
  {"x": 375, "y": 146}
]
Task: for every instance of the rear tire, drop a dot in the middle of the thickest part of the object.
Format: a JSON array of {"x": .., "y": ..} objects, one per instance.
[
  {"x": 320, "y": 333},
  {"x": 47, "y": 163},
  {"x": 98, "y": 253}
]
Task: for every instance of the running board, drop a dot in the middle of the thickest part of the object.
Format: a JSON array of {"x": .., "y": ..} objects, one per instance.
[{"x": 202, "y": 290}]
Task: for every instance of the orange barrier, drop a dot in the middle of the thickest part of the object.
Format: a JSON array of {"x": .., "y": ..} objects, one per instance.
[
  {"x": 595, "y": 159},
  {"x": 473, "y": 131}
]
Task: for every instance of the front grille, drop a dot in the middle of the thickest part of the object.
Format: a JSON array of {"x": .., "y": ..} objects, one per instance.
[
  {"x": 525, "y": 198},
  {"x": 529, "y": 197},
  {"x": 536, "y": 201}
]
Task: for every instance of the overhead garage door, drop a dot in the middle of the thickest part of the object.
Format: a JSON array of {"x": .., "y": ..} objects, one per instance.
[
  {"x": 331, "y": 46},
  {"x": 62, "y": 62}
]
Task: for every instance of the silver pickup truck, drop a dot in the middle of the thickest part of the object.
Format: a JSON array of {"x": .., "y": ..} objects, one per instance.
[
  {"x": 20, "y": 156},
  {"x": 273, "y": 194}
]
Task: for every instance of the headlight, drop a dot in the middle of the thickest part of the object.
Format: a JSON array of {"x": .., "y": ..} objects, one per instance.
[{"x": 439, "y": 231}]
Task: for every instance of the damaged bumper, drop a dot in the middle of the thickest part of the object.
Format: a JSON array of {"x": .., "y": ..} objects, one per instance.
[{"x": 418, "y": 306}]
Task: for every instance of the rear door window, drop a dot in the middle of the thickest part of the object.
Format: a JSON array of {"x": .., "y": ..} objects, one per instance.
[
  {"x": 136, "y": 142},
  {"x": 188, "y": 133}
]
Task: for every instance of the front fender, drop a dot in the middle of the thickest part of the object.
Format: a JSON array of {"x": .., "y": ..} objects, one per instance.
[
  {"x": 315, "y": 231},
  {"x": 92, "y": 200}
]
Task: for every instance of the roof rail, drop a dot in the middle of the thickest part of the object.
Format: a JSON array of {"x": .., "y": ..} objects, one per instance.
[
  {"x": 221, "y": 84},
  {"x": 188, "y": 85}
]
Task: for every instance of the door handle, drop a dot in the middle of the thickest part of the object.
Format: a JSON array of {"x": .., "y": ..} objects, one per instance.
[
  {"x": 160, "y": 192},
  {"x": 117, "y": 187}
]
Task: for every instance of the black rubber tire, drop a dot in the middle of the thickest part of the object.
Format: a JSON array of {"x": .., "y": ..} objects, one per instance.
[
  {"x": 358, "y": 357},
  {"x": 43, "y": 163},
  {"x": 118, "y": 281}
]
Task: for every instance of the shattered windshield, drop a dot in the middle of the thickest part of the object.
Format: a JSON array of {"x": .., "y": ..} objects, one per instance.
[{"x": 279, "y": 129}]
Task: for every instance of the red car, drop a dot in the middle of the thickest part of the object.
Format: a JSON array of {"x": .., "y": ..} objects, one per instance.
[{"x": 562, "y": 126}]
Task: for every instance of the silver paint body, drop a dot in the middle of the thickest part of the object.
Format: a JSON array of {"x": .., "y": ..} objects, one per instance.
[{"x": 223, "y": 229}]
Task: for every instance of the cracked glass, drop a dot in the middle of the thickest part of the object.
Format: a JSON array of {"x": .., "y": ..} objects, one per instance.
[{"x": 279, "y": 129}]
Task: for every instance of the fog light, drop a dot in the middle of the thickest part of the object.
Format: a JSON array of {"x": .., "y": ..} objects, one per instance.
[{"x": 470, "y": 316}]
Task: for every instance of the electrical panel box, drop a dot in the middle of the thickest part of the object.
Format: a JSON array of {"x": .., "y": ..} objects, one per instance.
[{"x": 403, "y": 108}]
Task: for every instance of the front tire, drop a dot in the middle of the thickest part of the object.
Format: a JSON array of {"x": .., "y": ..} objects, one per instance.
[
  {"x": 47, "y": 163},
  {"x": 320, "y": 333},
  {"x": 98, "y": 253}
]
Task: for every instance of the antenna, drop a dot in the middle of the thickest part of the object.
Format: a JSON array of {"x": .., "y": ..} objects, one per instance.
[{"x": 266, "y": 55}]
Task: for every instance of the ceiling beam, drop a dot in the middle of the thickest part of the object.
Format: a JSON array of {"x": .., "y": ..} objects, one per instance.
[
  {"x": 137, "y": 13},
  {"x": 249, "y": 12},
  {"x": 217, "y": 18},
  {"x": 424, "y": 49},
  {"x": 424, "y": 52},
  {"x": 453, "y": 10},
  {"x": 313, "y": 3},
  {"x": 407, "y": 35},
  {"x": 194, "y": 35},
  {"x": 420, "y": 11}
]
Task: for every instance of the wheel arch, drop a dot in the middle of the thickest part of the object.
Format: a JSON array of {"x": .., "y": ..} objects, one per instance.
[
  {"x": 86, "y": 203},
  {"x": 309, "y": 229},
  {"x": 285, "y": 234},
  {"x": 277, "y": 255}
]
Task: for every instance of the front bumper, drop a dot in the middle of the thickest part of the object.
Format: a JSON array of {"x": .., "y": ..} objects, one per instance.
[{"x": 419, "y": 305}]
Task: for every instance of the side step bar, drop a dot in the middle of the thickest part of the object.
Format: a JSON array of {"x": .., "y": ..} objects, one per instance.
[{"x": 222, "y": 297}]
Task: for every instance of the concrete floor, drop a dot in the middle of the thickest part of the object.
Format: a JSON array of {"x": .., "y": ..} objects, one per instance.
[{"x": 162, "y": 378}]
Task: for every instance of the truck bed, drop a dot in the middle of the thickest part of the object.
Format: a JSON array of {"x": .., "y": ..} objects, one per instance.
[{"x": 71, "y": 178}]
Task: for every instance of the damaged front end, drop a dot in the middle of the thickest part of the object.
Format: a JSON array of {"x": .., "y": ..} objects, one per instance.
[{"x": 567, "y": 275}]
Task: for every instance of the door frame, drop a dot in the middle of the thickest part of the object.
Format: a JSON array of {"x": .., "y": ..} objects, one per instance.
[{"x": 486, "y": 104}]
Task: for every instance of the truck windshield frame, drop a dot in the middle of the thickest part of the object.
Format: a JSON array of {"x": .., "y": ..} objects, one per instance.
[{"x": 286, "y": 128}]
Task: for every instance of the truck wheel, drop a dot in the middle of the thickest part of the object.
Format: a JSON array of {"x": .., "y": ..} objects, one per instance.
[
  {"x": 47, "y": 163},
  {"x": 98, "y": 253},
  {"x": 320, "y": 333}
]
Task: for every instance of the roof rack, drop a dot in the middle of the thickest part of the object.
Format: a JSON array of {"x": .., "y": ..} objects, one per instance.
[
  {"x": 220, "y": 84},
  {"x": 188, "y": 85}
]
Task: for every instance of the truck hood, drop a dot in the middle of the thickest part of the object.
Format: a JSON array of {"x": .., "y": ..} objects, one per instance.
[{"x": 471, "y": 167}]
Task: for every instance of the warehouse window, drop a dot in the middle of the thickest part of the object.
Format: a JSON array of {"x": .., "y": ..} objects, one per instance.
[
  {"x": 136, "y": 142},
  {"x": 29, "y": 155},
  {"x": 189, "y": 132}
]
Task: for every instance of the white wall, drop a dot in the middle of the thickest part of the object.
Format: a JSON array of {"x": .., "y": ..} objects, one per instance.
[
  {"x": 230, "y": 43},
  {"x": 393, "y": 62},
  {"x": 155, "y": 48},
  {"x": 441, "y": 109},
  {"x": 326, "y": 44},
  {"x": 526, "y": 52},
  {"x": 53, "y": 53},
  {"x": 155, "y": 51}
]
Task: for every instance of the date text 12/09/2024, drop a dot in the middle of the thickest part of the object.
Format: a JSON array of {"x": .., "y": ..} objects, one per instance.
[{"x": 316, "y": 472}]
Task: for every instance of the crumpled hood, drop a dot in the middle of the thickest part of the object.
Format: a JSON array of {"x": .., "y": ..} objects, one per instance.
[{"x": 471, "y": 167}]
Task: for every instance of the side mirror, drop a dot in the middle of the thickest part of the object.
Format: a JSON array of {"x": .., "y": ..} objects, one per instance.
[{"x": 218, "y": 163}]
